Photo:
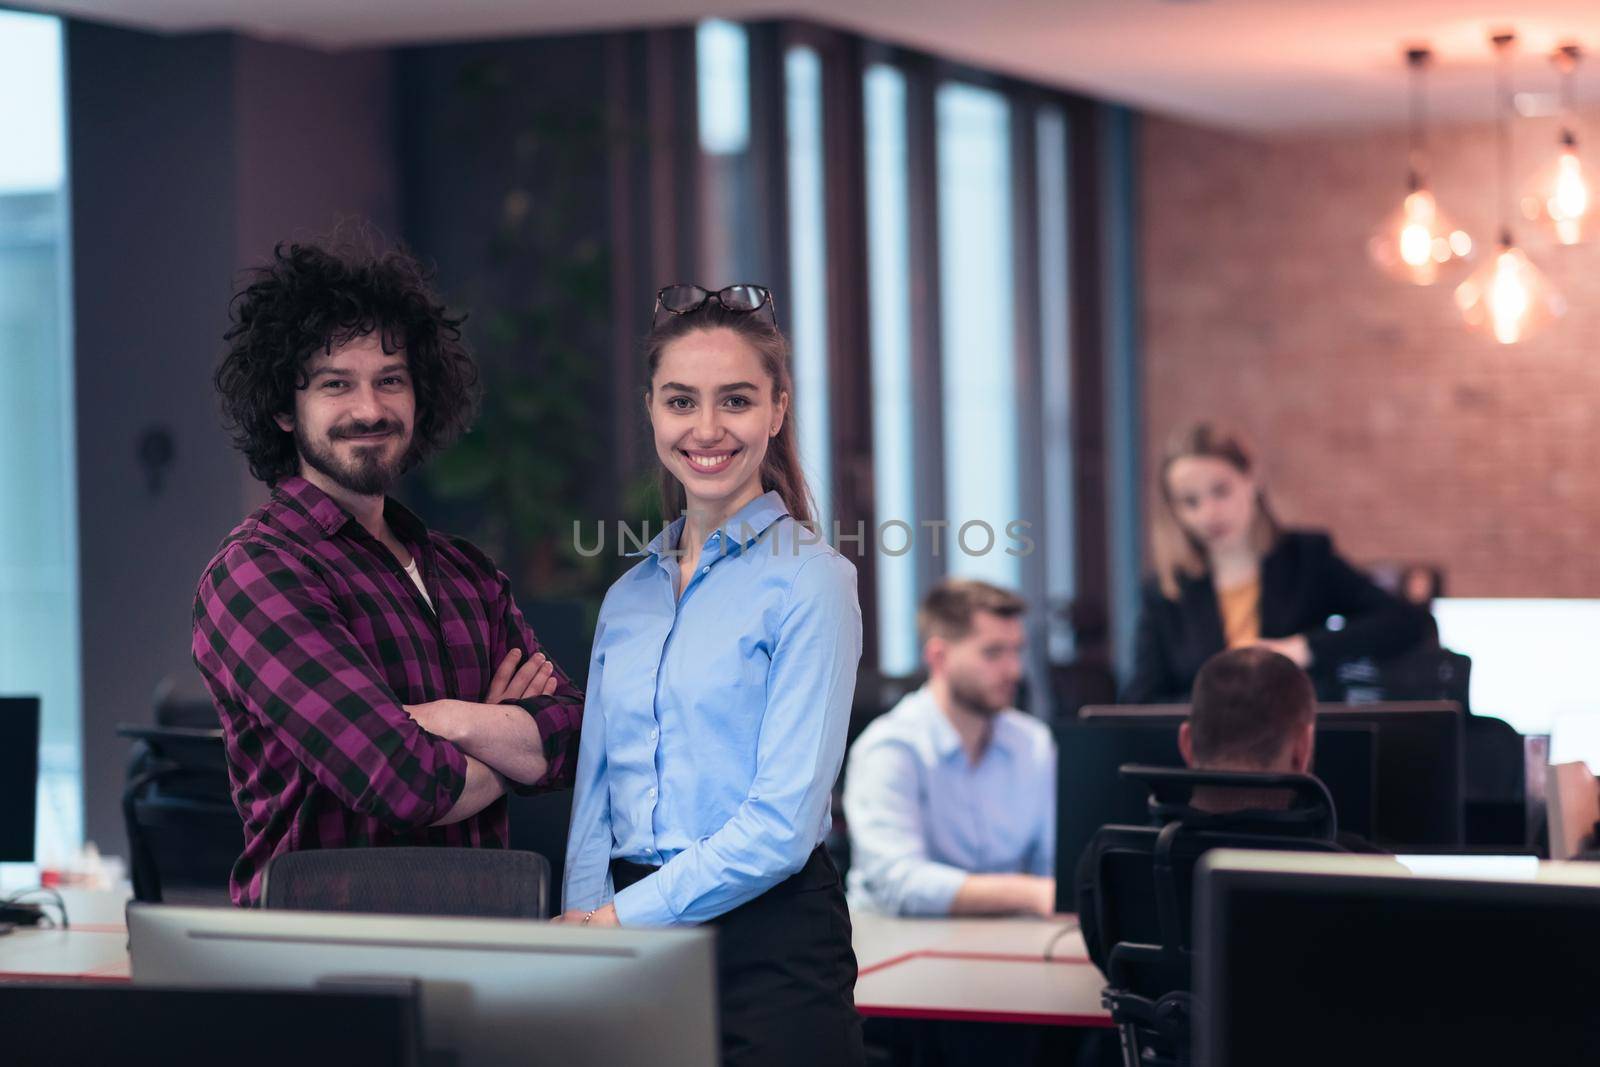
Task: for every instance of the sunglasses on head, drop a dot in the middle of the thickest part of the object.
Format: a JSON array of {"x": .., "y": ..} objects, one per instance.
[{"x": 684, "y": 299}]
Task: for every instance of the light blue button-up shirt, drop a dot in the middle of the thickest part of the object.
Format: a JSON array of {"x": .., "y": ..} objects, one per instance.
[
  {"x": 922, "y": 816},
  {"x": 715, "y": 723}
]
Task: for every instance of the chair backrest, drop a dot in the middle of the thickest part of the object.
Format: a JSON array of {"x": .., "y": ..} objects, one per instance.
[
  {"x": 1146, "y": 878},
  {"x": 184, "y": 834},
  {"x": 1144, "y": 887},
  {"x": 1572, "y": 798},
  {"x": 405, "y": 880}
]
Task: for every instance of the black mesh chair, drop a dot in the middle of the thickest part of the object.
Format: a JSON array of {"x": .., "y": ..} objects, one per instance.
[
  {"x": 478, "y": 882},
  {"x": 184, "y": 834},
  {"x": 1144, "y": 879}
]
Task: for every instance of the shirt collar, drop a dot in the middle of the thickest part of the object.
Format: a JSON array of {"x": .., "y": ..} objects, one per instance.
[
  {"x": 742, "y": 528},
  {"x": 331, "y": 517},
  {"x": 946, "y": 742}
]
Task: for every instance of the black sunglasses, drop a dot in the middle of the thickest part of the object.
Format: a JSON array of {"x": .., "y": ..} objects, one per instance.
[{"x": 684, "y": 299}]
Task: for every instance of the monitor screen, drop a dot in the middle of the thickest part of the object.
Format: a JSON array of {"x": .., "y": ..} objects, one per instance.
[
  {"x": 1091, "y": 792},
  {"x": 143, "y": 1026},
  {"x": 19, "y": 777},
  {"x": 1341, "y": 960},
  {"x": 1532, "y": 660},
  {"x": 1418, "y": 799}
]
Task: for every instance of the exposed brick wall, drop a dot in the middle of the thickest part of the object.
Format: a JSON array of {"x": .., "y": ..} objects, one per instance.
[{"x": 1378, "y": 415}]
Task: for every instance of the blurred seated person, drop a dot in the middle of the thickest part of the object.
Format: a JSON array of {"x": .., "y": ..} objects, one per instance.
[
  {"x": 1254, "y": 711},
  {"x": 949, "y": 796},
  {"x": 1229, "y": 576}
]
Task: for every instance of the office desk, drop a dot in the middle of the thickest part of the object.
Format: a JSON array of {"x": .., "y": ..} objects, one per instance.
[
  {"x": 1031, "y": 971},
  {"x": 93, "y": 948}
]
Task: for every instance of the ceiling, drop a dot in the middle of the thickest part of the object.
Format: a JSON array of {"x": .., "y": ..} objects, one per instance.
[{"x": 1247, "y": 64}]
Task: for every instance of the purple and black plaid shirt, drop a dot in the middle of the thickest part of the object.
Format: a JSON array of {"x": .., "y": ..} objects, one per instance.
[{"x": 310, "y": 637}]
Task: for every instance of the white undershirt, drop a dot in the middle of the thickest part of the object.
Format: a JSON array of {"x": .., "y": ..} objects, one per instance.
[{"x": 416, "y": 579}]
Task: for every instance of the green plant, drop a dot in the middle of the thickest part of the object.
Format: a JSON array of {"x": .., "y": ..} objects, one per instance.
[{"x": 540, "y": 325}]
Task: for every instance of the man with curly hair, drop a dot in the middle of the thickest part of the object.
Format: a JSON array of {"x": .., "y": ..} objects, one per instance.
[{"x": 375, "y": 681}]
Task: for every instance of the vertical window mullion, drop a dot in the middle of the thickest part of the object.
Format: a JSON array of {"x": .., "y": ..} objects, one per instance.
[{"x": 807, "y": 319}]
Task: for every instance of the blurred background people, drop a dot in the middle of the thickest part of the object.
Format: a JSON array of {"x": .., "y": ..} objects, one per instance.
[
  {"x": 950, "y": 795},
  {"x": 1229, "y": 575}
]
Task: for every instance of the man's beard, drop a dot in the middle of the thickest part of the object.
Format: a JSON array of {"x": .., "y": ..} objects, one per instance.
[
  {"x": 365, "y": 473},
  {"x": 974, "y": 699}
]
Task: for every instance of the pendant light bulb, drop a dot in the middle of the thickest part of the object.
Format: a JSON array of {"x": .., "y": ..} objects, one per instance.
[
  {"x": 1416, "y": 239},
  {"x": 1570, "y": 201},
  {"x": 1561, "y": 197},
  {"x": 1508, "y": 297}
]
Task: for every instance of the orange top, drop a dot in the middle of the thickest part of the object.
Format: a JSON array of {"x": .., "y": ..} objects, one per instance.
[{"x": 1241, "y": 614}]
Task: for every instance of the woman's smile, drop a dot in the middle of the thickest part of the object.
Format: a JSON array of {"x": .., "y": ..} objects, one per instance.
[{"x": 707, "y": 462}]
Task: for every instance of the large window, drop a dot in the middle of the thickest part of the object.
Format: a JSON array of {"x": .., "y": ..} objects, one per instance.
[
  {"x": 38, "y": 528},
  {"x": 978, "y": 334},
  {"x": 722, "y": 68},
  {"x": 893, "y": 444},
  {"x": 808, "y": 272},
  {"x": 952, "y": 299}
]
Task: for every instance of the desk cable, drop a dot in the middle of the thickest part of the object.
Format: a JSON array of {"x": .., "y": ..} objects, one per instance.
[
  {"x": 17, "y": 909},
  {"x": 1050, "y": 946}
]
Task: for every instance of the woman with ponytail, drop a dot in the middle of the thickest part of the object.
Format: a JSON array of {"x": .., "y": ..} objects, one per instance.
[
  {"x": 719, "y": 693},
  {"x": 1227, "y": 576}
]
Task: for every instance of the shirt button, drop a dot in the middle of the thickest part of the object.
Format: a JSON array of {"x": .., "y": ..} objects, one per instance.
[
  {"x": 654, "y": 734},
  {"x": 705, "y": 570},
  {"x": 652, "y": 792}
]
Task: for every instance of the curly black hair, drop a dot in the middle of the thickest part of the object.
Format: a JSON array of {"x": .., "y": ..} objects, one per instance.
[{"x": 311, "y": 298}]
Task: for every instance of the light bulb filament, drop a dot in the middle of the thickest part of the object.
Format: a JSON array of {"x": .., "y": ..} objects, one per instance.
[
  {"x": 1508, "y": 299},
  {"x": 1417, "y": 239}
]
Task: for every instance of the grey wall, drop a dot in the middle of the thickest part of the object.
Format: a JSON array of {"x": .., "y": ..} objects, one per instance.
[
  {"x": 153, "y": 250},
  {"x": 314, "y": 143},
  {"x": 190, "y": 157}
]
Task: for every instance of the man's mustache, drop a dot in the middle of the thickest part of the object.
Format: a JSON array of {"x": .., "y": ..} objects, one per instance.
[{"x": 363, "y": 429}]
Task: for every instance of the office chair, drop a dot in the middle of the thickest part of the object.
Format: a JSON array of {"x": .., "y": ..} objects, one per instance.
[
  {"x": 1144, "y": 878},
  {"x": 404, "y": 880},
  {"x": 184, "y": 833}
]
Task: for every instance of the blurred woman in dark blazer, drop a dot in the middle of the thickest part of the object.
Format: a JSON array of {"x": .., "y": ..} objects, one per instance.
[{"x": 1228, "y": 575}]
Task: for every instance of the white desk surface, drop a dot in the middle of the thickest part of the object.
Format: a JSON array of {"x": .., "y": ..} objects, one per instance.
[
  {"x": 94, "y": 946},
  {"x": 981, "y": 970}
]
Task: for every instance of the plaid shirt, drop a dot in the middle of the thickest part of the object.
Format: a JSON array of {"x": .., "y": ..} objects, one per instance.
[{"x": 310, "y": 636}]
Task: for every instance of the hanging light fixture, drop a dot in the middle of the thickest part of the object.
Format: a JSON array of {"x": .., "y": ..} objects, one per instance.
[
  {"x": 1415, "y": 240},
  {"x": 1508, "y": 296},
  {"x": 1560, "y": 196}
]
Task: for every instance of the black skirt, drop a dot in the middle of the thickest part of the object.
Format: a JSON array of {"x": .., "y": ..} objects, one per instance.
[{"x": 786, "y": 971}]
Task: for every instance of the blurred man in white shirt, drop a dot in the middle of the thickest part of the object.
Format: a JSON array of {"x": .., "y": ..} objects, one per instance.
[{"x": 950, "y": 795}]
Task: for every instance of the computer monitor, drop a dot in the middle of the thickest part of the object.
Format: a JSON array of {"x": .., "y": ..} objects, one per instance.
[
  {"x": 1330, "y": 959},
  {"x": 1420, "y": 771},
  {"x": 19, "y": 777},
  {"x": 1090, "y": 793},
  {"x": 493, "y": 991},
  {"x": 1419, "y": 805},
  {"x": 146, "y": 1026}
]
